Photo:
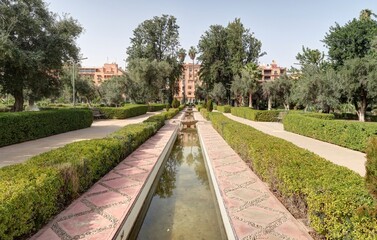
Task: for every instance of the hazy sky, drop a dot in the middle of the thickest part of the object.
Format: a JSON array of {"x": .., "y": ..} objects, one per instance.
[{"x": 282, "y": 26}]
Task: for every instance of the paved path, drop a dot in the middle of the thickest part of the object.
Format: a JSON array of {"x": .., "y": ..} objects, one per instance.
[
  {"x": 351, "y": 159},
  {"x": 116, "y": 199},
  {"x": 253, "y": 211},
  {"x": 20, "y": 152}
]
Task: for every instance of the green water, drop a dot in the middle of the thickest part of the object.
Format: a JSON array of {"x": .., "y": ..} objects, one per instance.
[{"x": 183, "y": 206}]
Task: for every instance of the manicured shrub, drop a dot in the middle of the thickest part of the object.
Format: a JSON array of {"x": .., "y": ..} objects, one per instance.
[
  {"x": 154, "y": 107},
  {"x": 332, "y": 197},
  {"x": 32, "y": 192},
  {"x": 256, "y": 115},
  {"x": 205, "y": 113},
  {"x": 199, "y": 106},
  {"x": 175, "y": 103},
  {"x": 127, "y": 111},
  {"x": 25, "y": 126},
  {"x": 371, "y": 167},
  {"x": 324, "y": 116},
  {"x": 353, "y": 135},
  {"x": 224, "y": 109},
  {"x": 209, "y": 105}
]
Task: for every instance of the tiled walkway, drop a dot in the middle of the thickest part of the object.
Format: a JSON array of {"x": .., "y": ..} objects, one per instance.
[
  {"x": 253, "y": 211},
  {"x": 99, "y": 212},
  {"x": 351, "y": 159}
]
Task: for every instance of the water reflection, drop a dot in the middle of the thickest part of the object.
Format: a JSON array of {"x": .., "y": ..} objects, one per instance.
[{"x": 182, "y": 206}]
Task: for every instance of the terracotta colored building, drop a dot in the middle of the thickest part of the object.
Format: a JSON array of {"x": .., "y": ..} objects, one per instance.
[
  {"x": 187, "y": 82},
  {"x": 100, "y": 74},
  {"x": 271, "y": 71}
]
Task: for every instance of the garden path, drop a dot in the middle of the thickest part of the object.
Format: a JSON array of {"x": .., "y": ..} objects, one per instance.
[
  {"x": 351, "y": 159},
  {"x": 20, "y": 152}
]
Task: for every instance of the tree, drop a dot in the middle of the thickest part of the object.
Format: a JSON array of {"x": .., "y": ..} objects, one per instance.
[
  {"x": 218, "y": 93},
  {"x": 239, "y": 89},
  {"x": 251, "y": 74},
  {"x": 37, "y": 43},
  {"x": 359, "y": 83},
  {"x": 224, "y": 51},
  {"x": 310, "y": 57},
  {"x": 353, "y": 40},
  {"x": 112, "y": 91},
  {"x": 157, "y": 40}
]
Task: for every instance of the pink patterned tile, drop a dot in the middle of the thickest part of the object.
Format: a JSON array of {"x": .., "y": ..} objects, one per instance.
[
  {"x": 107, "y": 198},
  {"x": 48, "y": 235},
  {"x": 121, "y": 183},
  {"x": 131, "y": 171},
  {"x": 84, "y": 223},
  {"x": 76, "y": 207}
]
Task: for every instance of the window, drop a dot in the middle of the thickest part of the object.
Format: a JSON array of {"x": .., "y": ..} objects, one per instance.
[
  {"x": 188, "y": 93},
  {"x": 275, "y": 72}
]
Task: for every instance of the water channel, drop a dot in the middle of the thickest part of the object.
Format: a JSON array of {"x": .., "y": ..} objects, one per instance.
[{"x": 183, "y": 205}]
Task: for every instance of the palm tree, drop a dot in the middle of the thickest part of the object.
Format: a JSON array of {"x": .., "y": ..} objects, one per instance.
[
  {"x": 251, "y": 74},
  {"x": 182, "y": 56},
  {"x": 192, "y": 53}
]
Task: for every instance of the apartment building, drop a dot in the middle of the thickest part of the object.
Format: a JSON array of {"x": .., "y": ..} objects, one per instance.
[
  {"x": 100, "y": 74},
  {"x": 187, "y": 81},
  {"x": 271, "y": 71}
]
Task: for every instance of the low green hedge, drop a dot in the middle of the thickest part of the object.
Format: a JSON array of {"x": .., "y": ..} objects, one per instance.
[
  {"x": 32, "y": 192},
  {"x": 324, "y": 116},
  {"x": 256, "y": 115},
  {"x": 154, "y": 107},
  {"x": 334, "y": 198},
  {"x": 353, "y": 135},
  {"x": 371, "y": 167},
  {"x": 224, "y": 109},
  {"x": 16, "y": 127},
  {"x": 124, "y": 112}
]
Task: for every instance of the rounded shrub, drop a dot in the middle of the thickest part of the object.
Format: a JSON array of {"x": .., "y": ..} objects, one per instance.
[
  {"x": 175, "y": 103},
  {"x": 209, "y": 105}
]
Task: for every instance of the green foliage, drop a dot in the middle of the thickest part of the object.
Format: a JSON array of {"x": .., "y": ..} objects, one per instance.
[
  {"x": 209, "y": 105},
  {"x": 359, "y": 82},
  {"x": 333, "y": 195},
  {"x": 353, "y": 135},
  {"x": 154, "y": 107},
  {"x": 33, "y": 192},
  {"x": 324, "y": 116},
  {"x": 256, "y": 115},
  {"x": 34, "y": 54},
  {"x": 371, "y": 167},
  {"x": 224, "y": 109},
  {"x": 112, "y": 91},
  {"x": 175, "y": 103},
  {"x": 353, "y": 40},
  {"x": 153, "y": 68},
  {"x": 124, "y": 112},
  {"x": 25, "y": 126},
  {"x": 223, "y": 53},
  {"x": 204, "y": 113},
  {"x": 280, "y": 89},
  {"x": 218, "y": 93}
]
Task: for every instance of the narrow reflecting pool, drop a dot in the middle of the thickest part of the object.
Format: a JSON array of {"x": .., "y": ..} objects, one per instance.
[{"x": 183, "y": 206}]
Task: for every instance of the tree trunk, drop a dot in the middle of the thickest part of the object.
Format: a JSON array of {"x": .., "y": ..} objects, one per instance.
[
  {"x": 362, "y": 110},
  {"x": 250, "y": 100},
  {"x": 31, "y": 102},
  {"x": 19, "y": 101},
  {"x": 269, "y": 102}
]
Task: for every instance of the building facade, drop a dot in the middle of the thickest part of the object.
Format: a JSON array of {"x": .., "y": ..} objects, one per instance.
[
  {"x": 271, "y": 71},
  {"x": 187, "y": 81},
  {"x": 100, "y": 74}
]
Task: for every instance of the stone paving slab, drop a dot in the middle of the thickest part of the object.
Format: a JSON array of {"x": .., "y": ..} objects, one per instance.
[
  {"x": 252, "y": 210},
  {"x": 100, "y": 212}
]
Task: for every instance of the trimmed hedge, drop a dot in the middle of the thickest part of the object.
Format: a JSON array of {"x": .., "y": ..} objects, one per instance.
[
  {"x": 333, "y": 197},
  {"x": 371, "y": 167},
  {"x": 353, "y": 116},
  {"x": 154, "y": 107},
  {"x": 256, "y": 115},
  {"x": 324, "y": 116},
  {"x": 19, "y": 127},
  {"x": 32, "y": 192},
  {"x": 124, "y": 112},
  {"x": 224, "y": 109},
  {"x": 353, "y": 135}
]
